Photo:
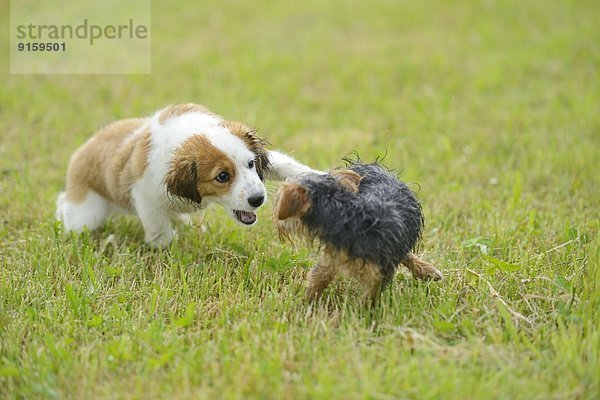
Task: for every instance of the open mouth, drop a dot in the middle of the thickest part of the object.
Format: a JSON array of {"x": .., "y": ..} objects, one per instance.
[{"x": 245, "y": 217}]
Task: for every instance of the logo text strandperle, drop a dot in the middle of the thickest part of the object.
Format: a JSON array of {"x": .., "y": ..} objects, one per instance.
[{"x": 83, "y": 31}]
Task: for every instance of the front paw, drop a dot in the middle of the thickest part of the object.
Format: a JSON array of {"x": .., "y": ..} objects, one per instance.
[{"x": 160, "y": 239}]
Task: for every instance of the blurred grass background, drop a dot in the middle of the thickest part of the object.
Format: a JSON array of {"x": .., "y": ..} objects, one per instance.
[{"x": 488, "y": 108}]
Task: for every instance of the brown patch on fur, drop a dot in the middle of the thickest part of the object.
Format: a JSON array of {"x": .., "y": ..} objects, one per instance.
[
  {"x": 108, "y": 163},
  {"x": 254, "y": 143},
  {"x": 194, "y": 167},
  {"x": 180, "y": 109},
  {"x": 127, "y": 166},
  {"x": 289, "y": 228},
  {"x": 421, "y": 269},
  {"x": 293, "y": 201},
  {"x": 347, "y": 178}
]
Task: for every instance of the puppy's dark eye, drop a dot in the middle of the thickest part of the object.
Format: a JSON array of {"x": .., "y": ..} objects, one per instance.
[
  {"x": 222, "y": 177},
  {"x": 251, "y": 164}
]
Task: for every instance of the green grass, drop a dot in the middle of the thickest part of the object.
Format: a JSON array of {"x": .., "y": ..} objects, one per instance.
[{"x": 491, "y": 107}]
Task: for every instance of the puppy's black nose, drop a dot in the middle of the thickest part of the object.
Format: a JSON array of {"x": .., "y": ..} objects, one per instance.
[{"x": 256, "y": 201}]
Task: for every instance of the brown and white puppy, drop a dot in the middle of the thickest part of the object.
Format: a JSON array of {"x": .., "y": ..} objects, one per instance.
[{"x": 166, "y": 166}]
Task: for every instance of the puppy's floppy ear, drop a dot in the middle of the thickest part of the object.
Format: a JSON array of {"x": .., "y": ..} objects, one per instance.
[
  {"x": 347, "y": 178},
  {"x": 255, "y": 144},
  {"x": 181, "y": 180},
  {"x": 293, "y": 201},
  {"x": 259, "y": 147}
]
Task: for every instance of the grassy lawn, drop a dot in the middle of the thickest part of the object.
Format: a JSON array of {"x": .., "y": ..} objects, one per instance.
[{"x": 491, "y": 110}]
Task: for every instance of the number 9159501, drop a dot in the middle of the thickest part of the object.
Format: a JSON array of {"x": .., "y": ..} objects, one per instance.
[{"x": 42, "y": 46}]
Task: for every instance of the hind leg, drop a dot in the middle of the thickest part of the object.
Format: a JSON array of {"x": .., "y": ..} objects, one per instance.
[
  {"x": 421, "y": 269},
  {"x": 371, "y": 278},
  {"x": 89, "y": 213}
]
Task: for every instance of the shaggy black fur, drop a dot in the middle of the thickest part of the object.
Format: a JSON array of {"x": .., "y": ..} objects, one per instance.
[{"x": 381, "y": 223}]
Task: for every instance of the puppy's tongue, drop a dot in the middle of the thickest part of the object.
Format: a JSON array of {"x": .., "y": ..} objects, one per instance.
[{"x": 245, "y": 217}]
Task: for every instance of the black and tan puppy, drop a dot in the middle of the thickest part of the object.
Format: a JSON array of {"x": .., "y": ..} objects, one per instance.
[{"x": 365, "y": 219}]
